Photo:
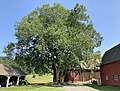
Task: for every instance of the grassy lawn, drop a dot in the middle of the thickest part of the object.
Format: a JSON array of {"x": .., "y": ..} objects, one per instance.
[
  {"x": 39, "y": 79},
  {"x": 32, "y": 88},
  {"x": 104, "y": 88}
]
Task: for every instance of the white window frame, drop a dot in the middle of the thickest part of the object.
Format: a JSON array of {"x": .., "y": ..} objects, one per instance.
[
  {"x": 106, "y": 77},
  {"x": 116, "y": 77}
]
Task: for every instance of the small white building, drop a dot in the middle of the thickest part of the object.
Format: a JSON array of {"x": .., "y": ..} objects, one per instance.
[{"x": 10, "y": 75}]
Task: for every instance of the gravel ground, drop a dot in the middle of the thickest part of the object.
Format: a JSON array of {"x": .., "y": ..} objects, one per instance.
[{"x": 79, "y": 88}]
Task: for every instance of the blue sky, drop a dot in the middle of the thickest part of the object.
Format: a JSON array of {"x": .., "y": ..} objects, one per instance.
[{"x": 105, "y": 15}]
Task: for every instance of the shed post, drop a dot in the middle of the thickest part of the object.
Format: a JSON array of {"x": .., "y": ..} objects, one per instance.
[
  {"x": 18, "y": 80},
  {"x": 8, "y": 78}
]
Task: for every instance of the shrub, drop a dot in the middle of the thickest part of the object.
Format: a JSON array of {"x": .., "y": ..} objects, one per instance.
[{"x": 23, "y": 82}]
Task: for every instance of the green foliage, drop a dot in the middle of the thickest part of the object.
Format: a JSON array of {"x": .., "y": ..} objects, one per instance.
[
  {"x": 92, "y": 62},
  {"x": 6, "y": 60},
  {"x": 23, "y": 82},
  {"x": 53, "y": 38},
  {"x": 9, "y": 50},
  {"x": 1, "y": 60}
]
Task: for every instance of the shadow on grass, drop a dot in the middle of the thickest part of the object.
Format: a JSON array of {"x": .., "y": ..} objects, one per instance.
[
  {"x": 103, "y": 88},
  {"x": 73, "y": 84},
  {"x": 51, "y": 84}
]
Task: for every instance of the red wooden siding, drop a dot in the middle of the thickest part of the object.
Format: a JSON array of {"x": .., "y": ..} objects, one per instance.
[
  {"x": 110, "y": 73},
  {"x": 84, "y": 76}
]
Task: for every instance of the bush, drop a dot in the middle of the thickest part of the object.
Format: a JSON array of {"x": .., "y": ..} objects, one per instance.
[{"x": 23, "y": 82}]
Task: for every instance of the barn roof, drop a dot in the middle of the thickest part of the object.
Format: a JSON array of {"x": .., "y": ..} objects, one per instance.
[
  {"x": 111, "y": 55},
  {"x": 10, "y": 71}
]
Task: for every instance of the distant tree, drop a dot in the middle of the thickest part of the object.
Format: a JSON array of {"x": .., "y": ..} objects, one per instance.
[
  {"x": 92, "y": 61},
  {"x": 1, "y": 60},
  {"x": 53, "y": 38},
  {"x": 9, "y": 50},
  {"x": 5, "y": 60}
]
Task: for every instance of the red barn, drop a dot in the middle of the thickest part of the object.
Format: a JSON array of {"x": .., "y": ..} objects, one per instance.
[{"x": 110, "y": 68}]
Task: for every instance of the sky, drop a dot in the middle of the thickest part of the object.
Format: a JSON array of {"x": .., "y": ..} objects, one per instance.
[{"x": 105, "y": 15}]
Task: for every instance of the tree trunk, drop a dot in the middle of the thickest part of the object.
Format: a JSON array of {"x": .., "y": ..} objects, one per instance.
[
  {"x": 60, "y": 75},
  {"x": 66, "y": 77},
  {"x": 54, "y": 73},
  {"x": 57, "y": 74}
]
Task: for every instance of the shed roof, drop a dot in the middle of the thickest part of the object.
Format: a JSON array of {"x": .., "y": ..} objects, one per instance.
[
  {"x": 111, "y": 55},
  {"x": 10, "y": 71}
]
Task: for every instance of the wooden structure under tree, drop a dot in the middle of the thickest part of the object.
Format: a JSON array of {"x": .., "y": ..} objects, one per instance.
[
  {"x": 10, "y": 75},
  {"x": 84, "y": 76}
]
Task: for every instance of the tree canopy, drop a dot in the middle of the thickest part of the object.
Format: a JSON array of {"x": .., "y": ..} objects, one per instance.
[{"x": 53, "y": 38}]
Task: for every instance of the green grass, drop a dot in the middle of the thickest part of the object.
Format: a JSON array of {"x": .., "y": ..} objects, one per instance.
[
  {"x": 104, "y": 88},
  {"x": 32, "y": 88},
  {"x": 39, "y": 79}
]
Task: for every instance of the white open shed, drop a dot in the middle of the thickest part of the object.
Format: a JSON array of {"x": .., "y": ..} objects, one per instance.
[{"x": 10, "y": 75}]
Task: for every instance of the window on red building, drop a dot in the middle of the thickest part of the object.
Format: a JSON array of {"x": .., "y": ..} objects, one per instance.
[
  {"x": 116, "y": 77},
  {"x": 106, "y": 77}
]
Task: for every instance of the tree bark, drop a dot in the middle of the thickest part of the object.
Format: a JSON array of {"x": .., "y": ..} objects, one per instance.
[
  {"x": 57, "y": 74},
  {"x": 54, "y": 72}
]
